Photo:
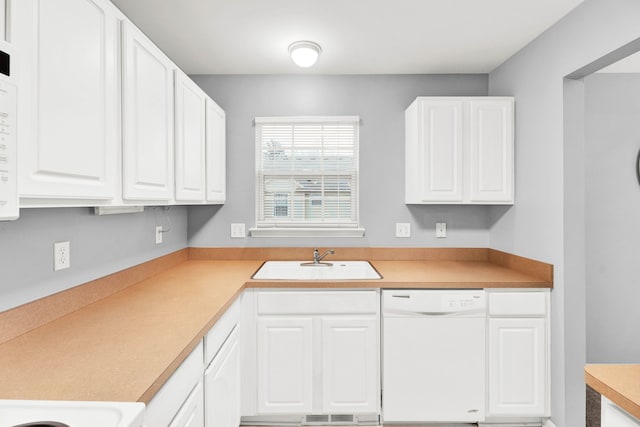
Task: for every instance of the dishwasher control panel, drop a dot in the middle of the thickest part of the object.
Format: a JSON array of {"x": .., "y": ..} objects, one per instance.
[{"x": 433, "y": 302}]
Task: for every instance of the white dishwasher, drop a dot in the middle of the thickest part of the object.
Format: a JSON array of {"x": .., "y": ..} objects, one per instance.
[{"x": 433, "y": 355}]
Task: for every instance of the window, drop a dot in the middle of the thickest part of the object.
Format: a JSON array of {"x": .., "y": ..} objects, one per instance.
[{"x": 307, "y": 176}]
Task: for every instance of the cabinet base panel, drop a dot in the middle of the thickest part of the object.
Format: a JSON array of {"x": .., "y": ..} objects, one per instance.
[{"x": 311, "y": 419}]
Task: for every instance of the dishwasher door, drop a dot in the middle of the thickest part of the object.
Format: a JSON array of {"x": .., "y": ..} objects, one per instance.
[{"x": 433, "y": 356}]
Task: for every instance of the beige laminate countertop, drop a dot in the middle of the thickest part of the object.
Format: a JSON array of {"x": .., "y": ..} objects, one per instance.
[
  {"x": 125, "y": 346},
  {"x": 619, "y": 383}
]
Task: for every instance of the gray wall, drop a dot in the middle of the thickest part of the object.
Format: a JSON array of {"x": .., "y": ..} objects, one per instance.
[
  {"x": 100, "y": 245},
  {"x": 380, "y": 102},
  {"x": 546, "y": 221},
  {"x": 612, "y": 217}
]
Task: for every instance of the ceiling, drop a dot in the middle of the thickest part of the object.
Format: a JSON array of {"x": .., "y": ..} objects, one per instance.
[{"x": 357, "y": 36}]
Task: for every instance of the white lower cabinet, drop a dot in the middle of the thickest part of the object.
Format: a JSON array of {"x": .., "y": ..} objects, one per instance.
[
  {"x": 192, "y": 412},
  {"x": 518, "y": 355},
  {"x": 167, "y": 404},
  {"x": 311, "y": 356},
  {"x": 349, "y": 364},
  {"x": 285, "y": 369},
  {"x": 222, "y": 386},
  {"x": 611, "y": 415}
]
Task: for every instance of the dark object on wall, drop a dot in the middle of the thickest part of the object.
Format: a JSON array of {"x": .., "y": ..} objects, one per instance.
[
  {"x": 638, "y": 166},
  {"x": 593, "y": 408}
]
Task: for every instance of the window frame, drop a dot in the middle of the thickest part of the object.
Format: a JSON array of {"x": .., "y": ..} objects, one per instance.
[{"x": 298, "y": 228}]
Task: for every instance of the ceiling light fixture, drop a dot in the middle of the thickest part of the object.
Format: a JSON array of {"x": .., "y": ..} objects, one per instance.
[{"x": 304, "y": 53}]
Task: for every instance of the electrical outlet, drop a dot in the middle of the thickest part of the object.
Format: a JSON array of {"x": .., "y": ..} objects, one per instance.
[
  {"x": 441, "y": 229},
  {"x": 403, "y": 229},
  {"x": 237, "y": 231},
  {"x": 159, "y": 232},
  {"x": 61, "y": 255}
]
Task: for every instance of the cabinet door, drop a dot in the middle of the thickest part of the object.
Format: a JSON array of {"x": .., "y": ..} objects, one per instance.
[
  {"x": 190, "y": 140},
  {"x": 216, "y": 153},
  {"x": 285, "y": 365},
  {"x": 222, "y": 386},
  {"x": 350, "y": 365},
  {"x": 148, "y": 138},
  {"x": 614, "y": 416},
  {"x": 440, "y": 150},
  {"x": 491, "y": 151},
  {"x": 517, "y": 366},
  {"x": 68, "y": 107},
  {"x": 191, "y": 414}
]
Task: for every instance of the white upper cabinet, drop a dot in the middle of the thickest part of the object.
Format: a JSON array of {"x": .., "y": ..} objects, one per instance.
[
  {"x": 491, "y": 151},
  {"x": 190, "y": 140},
  {"x": 216, "y": 153},
  {"x": 148, "y": 138},
  {"x": 68, "y": 106},
  {"x": 459, "y": 150}
]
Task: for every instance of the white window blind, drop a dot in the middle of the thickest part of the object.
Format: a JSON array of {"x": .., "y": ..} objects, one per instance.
[{"x": 307, "y": 172}]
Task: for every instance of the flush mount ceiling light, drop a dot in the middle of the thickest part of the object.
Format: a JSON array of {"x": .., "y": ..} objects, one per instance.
[{"x": 304, "y": 53}]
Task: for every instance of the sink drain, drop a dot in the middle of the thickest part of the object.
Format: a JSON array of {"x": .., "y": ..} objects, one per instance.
[{"x": 43, "y": 424}]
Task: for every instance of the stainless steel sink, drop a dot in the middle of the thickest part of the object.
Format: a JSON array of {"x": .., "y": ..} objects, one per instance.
[{"x": 303, "y": 270}]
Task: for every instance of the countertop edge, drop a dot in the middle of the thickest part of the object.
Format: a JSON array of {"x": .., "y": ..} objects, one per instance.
[{"x": 612, "y": 394}]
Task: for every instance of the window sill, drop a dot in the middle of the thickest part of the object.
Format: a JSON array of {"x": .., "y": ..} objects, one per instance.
[{"x": 306, "y": 232}]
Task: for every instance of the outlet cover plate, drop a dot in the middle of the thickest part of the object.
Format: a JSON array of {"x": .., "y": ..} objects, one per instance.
[
  {"x": 441, "y": 229},
  {"x": 61, "y": 255},
  {"x": 238, "y": 231},
  {"x": 159, "y": 232},
  {"x": 403, "y": 229}
]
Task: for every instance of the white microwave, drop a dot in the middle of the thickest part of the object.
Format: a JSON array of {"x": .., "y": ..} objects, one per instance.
[{"x": 8, "y": 134}]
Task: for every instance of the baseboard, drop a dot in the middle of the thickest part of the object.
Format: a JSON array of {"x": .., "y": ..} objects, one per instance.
[{"x": 549, "y": 423}]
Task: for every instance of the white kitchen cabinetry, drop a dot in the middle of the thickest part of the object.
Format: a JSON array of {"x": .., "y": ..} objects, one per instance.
[
  {"x": 216, "y": 153},
  {"x": 614, "y": 416},
  {"x": 459, "y": 150},
  {"x": 190, "y": 140},
  {"x": 313, "y": 356},
  {"x": 222, "y": 384},
  {"x": 285, "y": 356},
  {"x": 68, "y": 105},
  {"x": 349, "y": 349},
  {"x": 192, "y": 412},
  {"x": 178, "y": 397},
  {"x": 222, "y": 376},
  {"x": 148, "y": 119},
  {"x": 518, "y": 354}
]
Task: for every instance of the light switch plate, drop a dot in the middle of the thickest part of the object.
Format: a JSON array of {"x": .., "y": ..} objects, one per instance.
[
  {"x": 238, "y": 231},
  {"x": 441, "y": 229},
  {"x": 159, "y": 232},
  {"x": 403, "y": 229}
]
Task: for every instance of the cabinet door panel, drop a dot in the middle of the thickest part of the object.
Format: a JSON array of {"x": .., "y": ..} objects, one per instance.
[
  {"x": 216, "y": 153},
  {"x": 441, "y": 150},
  {"x": 285, "y": 365},
  {"x": 222, "y": 386},
  {"x": 517, "y": 366},
  {"x": 190, "y": 140},
  {"x": 148, "y": 119},
  {"x": 191, "y": 414},
  {"x": 68, "y": 103},
  {"x": 491, "y": 147},
  {"x": 350, "y": 355},
  {"x": 614, "y": 416}
]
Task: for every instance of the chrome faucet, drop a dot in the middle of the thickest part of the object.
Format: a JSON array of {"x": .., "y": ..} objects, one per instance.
[{"x": 317, "y": 257}]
